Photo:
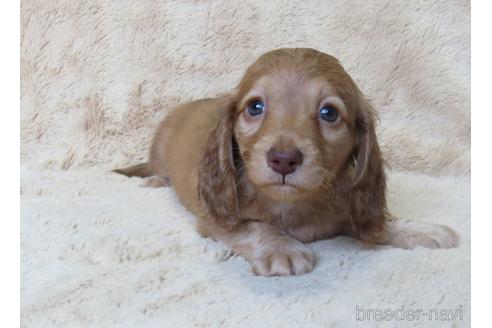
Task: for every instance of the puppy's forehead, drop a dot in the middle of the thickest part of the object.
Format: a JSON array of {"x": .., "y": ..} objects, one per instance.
[
  {"x": 287, "y": 84},
  {"x": 294, "y": 84},
  {"x": 296, "y": 71}
]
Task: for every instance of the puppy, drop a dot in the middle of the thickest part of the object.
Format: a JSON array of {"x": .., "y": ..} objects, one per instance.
[{"x": 289, "y": 157}]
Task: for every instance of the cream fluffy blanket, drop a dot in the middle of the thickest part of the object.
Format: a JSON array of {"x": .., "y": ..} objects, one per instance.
[{"x": 97, "y": 76}]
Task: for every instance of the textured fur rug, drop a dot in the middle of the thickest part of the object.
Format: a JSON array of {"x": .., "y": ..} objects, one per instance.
[{"x": 96, "y": 78}]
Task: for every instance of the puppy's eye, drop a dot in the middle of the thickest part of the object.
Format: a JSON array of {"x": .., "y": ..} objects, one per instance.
[
  {"x": 256, "y": 107},
  {"x": 328, "y": 113}
]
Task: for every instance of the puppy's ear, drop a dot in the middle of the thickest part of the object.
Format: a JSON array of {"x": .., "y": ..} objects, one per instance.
[
  {"x": 217, "y": 173},
  {"x": 368, "y": 193}
]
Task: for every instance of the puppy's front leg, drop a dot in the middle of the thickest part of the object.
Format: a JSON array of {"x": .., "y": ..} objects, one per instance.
[
  {"x": 411, "y": 234},
  {"x": 269, "y": 251}
]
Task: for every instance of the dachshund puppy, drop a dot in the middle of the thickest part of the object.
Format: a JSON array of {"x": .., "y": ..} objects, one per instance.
[{"x": 288, "y": 157}]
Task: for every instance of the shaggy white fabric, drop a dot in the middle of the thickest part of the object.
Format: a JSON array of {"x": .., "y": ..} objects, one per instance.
[{"x": 96, "y": 78}]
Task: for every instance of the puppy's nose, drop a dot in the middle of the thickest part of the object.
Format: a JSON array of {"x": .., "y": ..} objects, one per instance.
[{"x": 284, "y": 162}]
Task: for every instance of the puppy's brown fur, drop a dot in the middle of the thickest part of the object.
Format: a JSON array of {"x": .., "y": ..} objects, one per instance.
[{"x": 214, "y": 153}]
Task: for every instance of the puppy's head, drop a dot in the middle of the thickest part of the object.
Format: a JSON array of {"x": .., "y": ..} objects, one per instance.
[{"x": 299, "y": 121}]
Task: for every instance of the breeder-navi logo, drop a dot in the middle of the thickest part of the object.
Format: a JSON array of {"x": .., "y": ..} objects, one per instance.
[{"x": 404, "y": 314}]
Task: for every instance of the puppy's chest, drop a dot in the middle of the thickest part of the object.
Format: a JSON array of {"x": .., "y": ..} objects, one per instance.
[{"x": 305, "y": 222}]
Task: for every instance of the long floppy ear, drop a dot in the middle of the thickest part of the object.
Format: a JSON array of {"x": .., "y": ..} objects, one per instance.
[
  {"x": 217, "y": 176},
  {"x": 368, "y": 192}
]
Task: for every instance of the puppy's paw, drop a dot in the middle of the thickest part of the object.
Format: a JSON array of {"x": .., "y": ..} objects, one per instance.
[
  {"x": 411, "y": 234},
  {"x": 292, "y": 258}
]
